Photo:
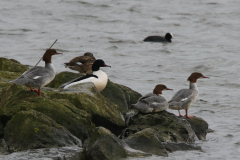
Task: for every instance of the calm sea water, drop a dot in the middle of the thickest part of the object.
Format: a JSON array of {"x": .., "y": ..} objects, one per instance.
[{"x": 206, "y": 40}]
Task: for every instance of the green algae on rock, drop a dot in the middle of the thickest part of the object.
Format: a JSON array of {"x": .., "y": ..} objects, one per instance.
[
  {"x": 167, "y": 127},
  {"x": 19, "y": 98},
  {"x": 121, "y": 95},
  {"x": 116, "y": 93},
  {"x": 12, "y": 65},
  {"x": 146, "y": 141},
  {"x": 103, "y": 112},
  {"x": 32, "y": 129},
  {"x": 80, "y": 109},
  {"x": 10, "y": 68}
]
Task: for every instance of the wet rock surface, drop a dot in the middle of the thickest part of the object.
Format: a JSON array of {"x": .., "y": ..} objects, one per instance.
[
  {"x": 63, "y": 153},
  {"x": 120, "y": 95},
  {"x": 146, "y": 141},
  {"x": 199, "y": 126},
  {"x": 32, "y": 130},
  {"x": 167, "y": 127},
  {"x": 171, "y": 147},
  {"x": 19, "y": 98},
  {"x": 61, "y": 118},
  {"x": 106, "y": 146}
]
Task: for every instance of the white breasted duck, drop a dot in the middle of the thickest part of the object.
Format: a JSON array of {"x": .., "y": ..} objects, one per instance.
[
  {"x": 39, "y": 76},
  {"x": 98, "y": 77},
  {"x": 184, "y": 98},
  {"x": 82, "y": 64},
  {"x": 167, "y": 38},
  {"x": 153, "y": 102}
]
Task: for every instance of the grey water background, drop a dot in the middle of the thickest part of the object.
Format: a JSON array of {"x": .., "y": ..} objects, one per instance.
[{"x": 206, "y": 39}]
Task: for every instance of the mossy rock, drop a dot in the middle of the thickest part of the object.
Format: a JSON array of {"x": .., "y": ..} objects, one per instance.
[
  {"x": 106, "y": 146},
  {"x": 167, "y": 127},
  {"x": 121, "y": 95},
  {"x": 12, "y": 65},
  {"x": 146, "y": 141},
  {"x": 116, "y": 93},
  {"x": 11, "y": 69},
  {"x": 199, "y": 126},
  {"x": 32, "y": 130},
  {"x": 19, "y": 98},
  {"x": 9, "y": 75},
  {"x": 103, "y": 112}
]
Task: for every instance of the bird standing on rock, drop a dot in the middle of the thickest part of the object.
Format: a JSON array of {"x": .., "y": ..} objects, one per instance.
[
  {"x": 39, "y": 76},
  {"x": 184, "y": 98},
  {"x": 82, "y": 64},
  {"x": 153, "y": 102}
]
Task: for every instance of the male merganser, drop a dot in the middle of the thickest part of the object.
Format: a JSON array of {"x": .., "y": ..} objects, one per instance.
[
  {"x": 83, "y": 64},
  {"x": 153, "y": 102},
  {"x": 184, "y": 98},
  {"x": 167, "y": 38},
  {"x": 98, "y": 77},
  {"x": 39, "y": 76}
]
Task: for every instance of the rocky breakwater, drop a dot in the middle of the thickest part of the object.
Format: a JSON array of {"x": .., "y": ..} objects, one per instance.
[{"x": 85, "y": 121}]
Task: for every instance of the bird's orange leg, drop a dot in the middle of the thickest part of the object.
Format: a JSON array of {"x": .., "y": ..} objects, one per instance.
[
  {"x": 187, "y": 115},
  {"x": 180, "y": 114},
  {"x": 36, "y": 90},
  {"x": 39, "y": 92}
]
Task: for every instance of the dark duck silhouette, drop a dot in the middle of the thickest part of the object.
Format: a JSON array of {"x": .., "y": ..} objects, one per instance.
[
  {"x": 167, "y": 38},
  {"x": 82, "y": 64}
]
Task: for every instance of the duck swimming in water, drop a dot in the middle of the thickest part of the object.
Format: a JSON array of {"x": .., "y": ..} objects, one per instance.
[
  {"x": 167, "y": 38},
  {"x": 98, "y": 77},
  {"x": 153, "y": 102},
  {"x": 39, "y": 77},
  {"x": 82, "y": 64},
  {"x": 184, "y": 98}
]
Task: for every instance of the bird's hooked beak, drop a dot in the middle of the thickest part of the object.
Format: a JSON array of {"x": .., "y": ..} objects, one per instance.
[{"x": 169, "y": 89}]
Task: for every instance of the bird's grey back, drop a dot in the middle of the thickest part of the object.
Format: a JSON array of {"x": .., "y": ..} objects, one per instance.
[{"x": 33, "y": 77}]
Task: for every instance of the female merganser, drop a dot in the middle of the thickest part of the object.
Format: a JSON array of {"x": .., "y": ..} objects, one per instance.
[
  {"x": 39, "y": 76},
  {"x": 82, "y": 64},
  {"x": 167, "y": 38},
  {"x": 184, "y": 98},
  {"x": 98, "y": 77},
  {"x": 153, "y": 102}
]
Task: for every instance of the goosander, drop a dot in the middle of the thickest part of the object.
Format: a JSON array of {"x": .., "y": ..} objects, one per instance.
[
  {"x": 83, "y": 64},
  {"x": 184, "y": 98},
  {"x": 98, "y": 77},
  {"x": 167, "y": 38},
  {"x": 153, "y": 102},
  {"x": 39, "y": 76}
]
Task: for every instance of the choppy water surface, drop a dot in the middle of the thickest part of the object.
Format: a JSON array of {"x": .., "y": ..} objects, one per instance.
[{"x": 206, "y": 40}]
